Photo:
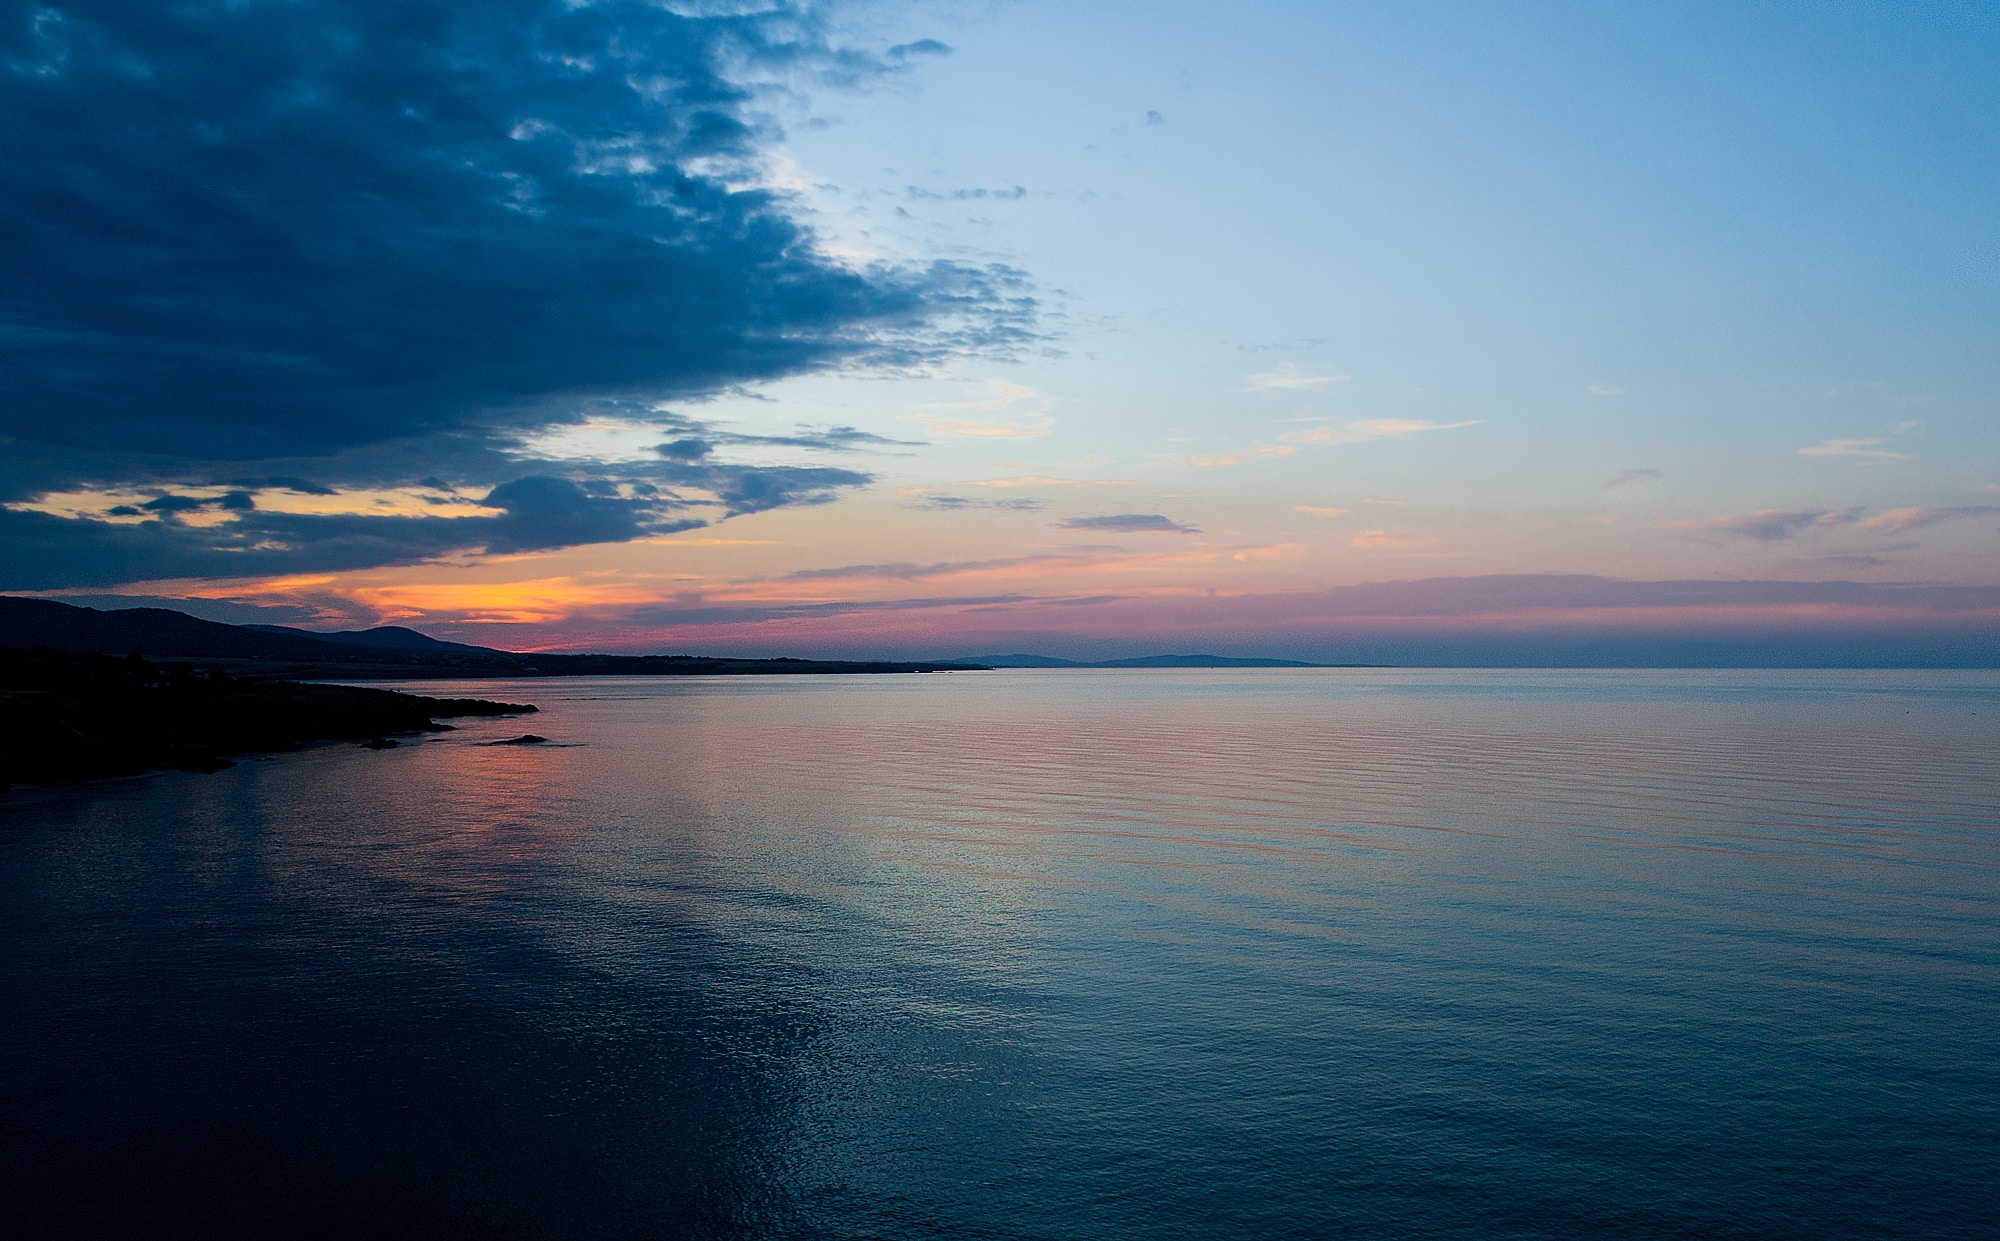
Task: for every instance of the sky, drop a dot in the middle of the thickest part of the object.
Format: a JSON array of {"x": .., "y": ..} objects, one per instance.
[{"x": 1413, "y": 332}]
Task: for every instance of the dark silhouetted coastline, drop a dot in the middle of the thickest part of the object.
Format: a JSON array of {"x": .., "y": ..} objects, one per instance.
[{"x": 79, "y": 717}]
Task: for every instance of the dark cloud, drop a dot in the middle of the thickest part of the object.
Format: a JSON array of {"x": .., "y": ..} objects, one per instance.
[
  {"x": 954, "y": 504},
  {"x": 360, "y": 242},
  {"x": 686, "y": 450},
  {"x": 1129, "y": 523},
  {"x": 175, "y": 504},
  {"x": 306, "y": 487},
  {"x": 831, "y": 439},
  {"x": 543, "y": 513},
  {"x": 44, "y": 552},
  {"x": 234, "y": 501},
  {"x": 744, "y": 490}
]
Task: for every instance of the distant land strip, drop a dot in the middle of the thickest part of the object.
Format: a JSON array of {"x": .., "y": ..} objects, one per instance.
[
  {"x": 392, "y": 653},
  {"x": 1149, "y": 661}
]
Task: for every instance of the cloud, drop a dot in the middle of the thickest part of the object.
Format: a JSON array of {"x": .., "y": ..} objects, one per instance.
[
  {"x": 907, "y": 572},
  {"x": 177, "y": 504},
  {"x": 1290, "y": 378},
  {"x": 1013, "y": 193},
  {"x": 1398, "y": 427},
  {"x": 1901, "y": 519},
  {"x": 1241, "y": 456},
  {"x": 1379, "y": 500},
  {"x": 1370, "y": 428},
  {"x": 1005, "y": 397},
  {"x": 1770, "y": 525},
  {"x": 1851, "y": 448},
  {"x": 1129, "y": 523},
  {"x": 1628, "y": 478},
  {"x": 1041, "y": 480},
  {"x": 1319, "y": 512},
  {"x": 685, "y": 449},
  {"x": 1393, "y": 540},
  {"x": 1312, "y": 435},
  {"x": 1605, "y": 390},
  {"x": 283, "y": 526},
  {"x": 306, "y": 487},
  {"x": 832, "y": 439},
  {"x": 743, "y": 490},
  {"x": 920, "y": 48},
  {"x": 532, "y": 513},
  {"x": 543, "y": 513},
  {"x": 370, "y": 242},
  {"x": 954, "y": 504},
  {"x": 972, "y": 428}
]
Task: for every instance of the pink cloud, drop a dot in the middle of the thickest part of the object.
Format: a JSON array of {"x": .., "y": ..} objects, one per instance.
[
  {"x": 1393, "y": 540},
  {"x": 1901, "y": 519},
  {"x": 1241, "y": 456}
]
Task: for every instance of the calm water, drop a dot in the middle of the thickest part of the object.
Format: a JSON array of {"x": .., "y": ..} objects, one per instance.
[{"x": 1064, "y": 955}]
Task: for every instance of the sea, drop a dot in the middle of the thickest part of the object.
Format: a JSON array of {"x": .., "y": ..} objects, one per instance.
[{"x": 1286, "y": 953}]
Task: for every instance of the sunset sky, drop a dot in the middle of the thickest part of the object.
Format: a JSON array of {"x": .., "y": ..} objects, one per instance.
[{"x": 1389, "y": 332}]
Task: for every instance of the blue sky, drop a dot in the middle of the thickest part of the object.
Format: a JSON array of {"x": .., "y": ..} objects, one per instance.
[{"x": 925, "y": 327}]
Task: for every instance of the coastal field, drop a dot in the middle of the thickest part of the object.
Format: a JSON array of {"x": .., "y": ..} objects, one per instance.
[{"x": 1057, "y": 954}]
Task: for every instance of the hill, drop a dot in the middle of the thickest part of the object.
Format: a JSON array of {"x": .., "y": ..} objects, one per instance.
[
  {"x": 387, "y": 653},
  {"x": 381, "y": 638}
]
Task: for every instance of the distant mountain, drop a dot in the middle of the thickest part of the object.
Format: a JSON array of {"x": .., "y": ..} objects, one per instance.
[
  {"x": 30, "y": 623},
  {"x": 1201, "y": 661},
  {"x": 384, "y": 637},
  {"x": 1143, "y": 661},
  {"x": 387, "y": 653},
  {"x": 1024, "y": 661}
]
